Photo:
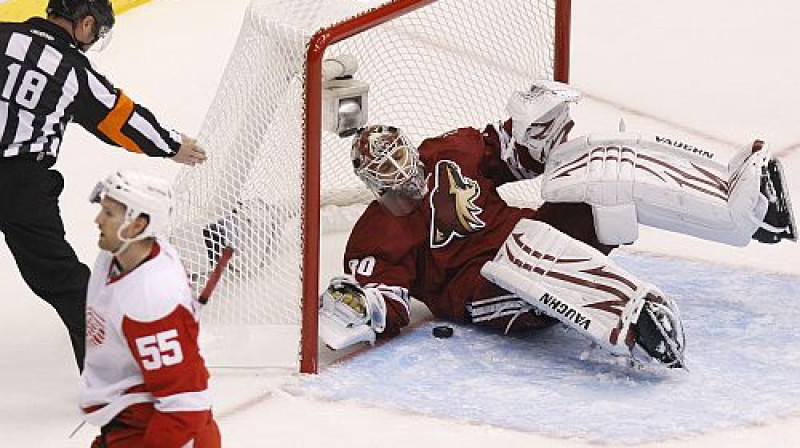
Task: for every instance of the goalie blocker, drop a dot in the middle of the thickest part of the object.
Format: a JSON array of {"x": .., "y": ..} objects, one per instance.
[
  {"x": 582, "y": 288},
  {"x": 630, "y": 179},
  {"x": 350, "y": 314}
]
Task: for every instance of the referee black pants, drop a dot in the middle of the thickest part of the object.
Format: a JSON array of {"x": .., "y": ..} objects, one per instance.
[{"x": 31, "y": 222}]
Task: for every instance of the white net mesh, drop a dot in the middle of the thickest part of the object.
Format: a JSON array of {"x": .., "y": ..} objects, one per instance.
[{"x": 451, "y": 64}]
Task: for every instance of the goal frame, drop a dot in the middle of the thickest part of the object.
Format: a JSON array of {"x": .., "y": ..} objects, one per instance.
[{"x": 312, "y": 142}]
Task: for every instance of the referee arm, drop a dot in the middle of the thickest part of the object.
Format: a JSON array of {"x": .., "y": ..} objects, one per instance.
[{"x": 109, "y": 114}]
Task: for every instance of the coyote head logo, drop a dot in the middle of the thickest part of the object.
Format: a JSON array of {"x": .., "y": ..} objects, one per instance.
[{"x": 453, "y": 209}]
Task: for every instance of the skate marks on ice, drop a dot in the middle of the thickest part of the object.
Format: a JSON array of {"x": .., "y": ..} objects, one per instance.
[{"x": 743, "y": 354}]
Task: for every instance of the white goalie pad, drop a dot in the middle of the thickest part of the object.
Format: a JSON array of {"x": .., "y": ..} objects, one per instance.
[
  {"x": 631, "y": 178},
  {"x": 576, "y": 284},
  {"x": 350, "y": 314}
]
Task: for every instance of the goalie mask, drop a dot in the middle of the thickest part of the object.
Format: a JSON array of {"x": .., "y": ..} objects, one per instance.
[{"x": 389, "y": 164}]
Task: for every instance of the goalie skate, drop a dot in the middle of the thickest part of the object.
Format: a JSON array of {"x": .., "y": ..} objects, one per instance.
[
  {"x": 779, "y": 223},
  {"x": 660, "y": 334}
]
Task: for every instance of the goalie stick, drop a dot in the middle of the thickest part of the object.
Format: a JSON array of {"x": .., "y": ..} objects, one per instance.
[{"x": 225, "y": 256}]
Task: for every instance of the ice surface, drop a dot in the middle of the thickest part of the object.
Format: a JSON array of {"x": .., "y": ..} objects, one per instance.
[
  {"x": 742, "y": 344},
  {"x": 717, "y": 72}
]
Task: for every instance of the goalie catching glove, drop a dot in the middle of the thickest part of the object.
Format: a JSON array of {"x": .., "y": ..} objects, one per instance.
[{"x": 350, "y": 314}]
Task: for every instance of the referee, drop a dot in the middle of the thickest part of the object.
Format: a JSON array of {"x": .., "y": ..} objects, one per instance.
[{"x": 46, "y": 81}]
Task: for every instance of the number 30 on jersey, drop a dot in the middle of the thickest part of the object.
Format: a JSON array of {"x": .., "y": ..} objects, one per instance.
[{"x": 363, "y": 266}]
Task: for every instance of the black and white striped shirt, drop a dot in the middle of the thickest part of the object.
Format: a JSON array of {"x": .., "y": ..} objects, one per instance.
[{"x": 46, "y": 82}]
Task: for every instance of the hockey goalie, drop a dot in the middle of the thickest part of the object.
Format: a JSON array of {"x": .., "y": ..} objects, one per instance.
[{"x": 439, "y": 232}]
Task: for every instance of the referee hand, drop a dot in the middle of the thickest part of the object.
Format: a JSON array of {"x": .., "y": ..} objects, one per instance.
[{"x": 190, "y": 153}]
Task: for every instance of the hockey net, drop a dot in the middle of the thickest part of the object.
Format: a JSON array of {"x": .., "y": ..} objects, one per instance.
[{"x": 432, "y": 66}]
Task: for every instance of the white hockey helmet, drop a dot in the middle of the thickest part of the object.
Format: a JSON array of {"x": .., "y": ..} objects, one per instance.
[
  {"x": 142, "y": 194},
  {"x": 388, "y": 163}
]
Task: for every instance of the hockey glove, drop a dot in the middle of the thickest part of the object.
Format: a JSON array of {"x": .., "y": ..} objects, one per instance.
[
  {"x": 540, "y": 117},
  {"x": 350, "y": 314}
]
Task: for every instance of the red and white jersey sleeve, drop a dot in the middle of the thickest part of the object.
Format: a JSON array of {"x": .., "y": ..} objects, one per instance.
[{"x": 142, "y": 347}]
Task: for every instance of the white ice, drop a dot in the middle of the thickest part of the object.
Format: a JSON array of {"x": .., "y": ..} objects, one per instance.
[{"x": 718, "y": 72}]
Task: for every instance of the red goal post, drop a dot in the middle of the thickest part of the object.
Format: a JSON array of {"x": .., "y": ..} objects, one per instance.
[
  {"x": 313, "y": 130},
  {"x": 445, "y": 59}
]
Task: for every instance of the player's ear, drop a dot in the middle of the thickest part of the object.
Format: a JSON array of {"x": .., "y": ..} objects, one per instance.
[
  {"x": 139, "y": 225},
  {"x": 86, "y": 25},
  {"x": 85, "y": 31}
]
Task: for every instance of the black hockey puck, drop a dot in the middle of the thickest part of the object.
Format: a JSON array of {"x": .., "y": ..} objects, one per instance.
[{"x": 443, "y": 331}]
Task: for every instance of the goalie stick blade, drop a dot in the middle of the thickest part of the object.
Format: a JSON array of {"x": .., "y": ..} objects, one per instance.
[{"x": 657, "y": 340}]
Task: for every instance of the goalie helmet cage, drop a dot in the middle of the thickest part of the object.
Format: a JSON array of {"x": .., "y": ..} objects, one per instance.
[{"x": 275, "y": 182}]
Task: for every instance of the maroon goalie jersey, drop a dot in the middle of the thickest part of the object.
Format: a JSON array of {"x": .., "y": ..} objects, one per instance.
[{"x": 435, "y": 254}]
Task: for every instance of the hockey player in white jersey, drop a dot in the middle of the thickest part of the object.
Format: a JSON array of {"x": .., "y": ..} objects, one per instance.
[{"x": 145, "y": 382}]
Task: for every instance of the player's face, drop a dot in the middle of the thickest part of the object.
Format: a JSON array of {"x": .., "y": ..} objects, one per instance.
[
  {"x": 394, "y": 164},
  {"x": 390, "y": 166},
  {"x": 109, "y": 220},
  {"x": 399, "y": 172},
  {"x": 393, "y": 167}
]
